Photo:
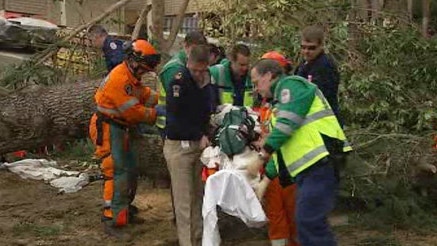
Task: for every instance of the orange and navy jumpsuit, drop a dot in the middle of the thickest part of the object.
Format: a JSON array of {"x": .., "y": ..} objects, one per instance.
[
  {"x": 279, "y": 200},
  {"x": 120, "y": 101}
]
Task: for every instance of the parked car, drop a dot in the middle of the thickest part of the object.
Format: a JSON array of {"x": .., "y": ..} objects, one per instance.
[{"x": 25, "y": 32}]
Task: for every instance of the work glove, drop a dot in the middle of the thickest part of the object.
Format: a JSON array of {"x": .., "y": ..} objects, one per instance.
[
  {"x": 262, "y": 188},
  {"x": 160, "y": 110}
]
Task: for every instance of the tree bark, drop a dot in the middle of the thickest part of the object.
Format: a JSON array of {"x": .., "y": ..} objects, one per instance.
[
  {"x": 158, "y": 13},
  {"x": 177, "y": 25},
  {"x": 375, "y": 7},
  {"x": 140, "y": 20},
  {"x": 426, "y": 14},
  {"x": 157, "y": 27},
  {"x": 43, "y": 116},
  {"x": 410, "y": 9}
]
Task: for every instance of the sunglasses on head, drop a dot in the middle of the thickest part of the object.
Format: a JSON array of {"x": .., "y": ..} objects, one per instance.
[{"x": 308, "y": 47}]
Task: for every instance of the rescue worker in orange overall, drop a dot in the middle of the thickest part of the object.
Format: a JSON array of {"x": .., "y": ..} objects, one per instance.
[
  {"x": 279, "y": 198},
  {"x": 121, "y": 100}
]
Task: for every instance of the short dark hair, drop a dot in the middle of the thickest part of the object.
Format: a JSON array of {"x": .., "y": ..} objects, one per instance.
[
  {"x": 313, "y": 33},
  {"x": 241, "y": 49},
  {"x": 264, "y": 66},
  {"x": 199, "y": 54},
  {"x": 216, "y": 50},
  {"x": 97, "y": 30},
  {"x": 195, "y": 38}
]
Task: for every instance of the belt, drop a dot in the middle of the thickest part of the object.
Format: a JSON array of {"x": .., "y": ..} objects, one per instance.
[
  {"x": 99, "y": 126},
  {"x": 112, "y": 121}
]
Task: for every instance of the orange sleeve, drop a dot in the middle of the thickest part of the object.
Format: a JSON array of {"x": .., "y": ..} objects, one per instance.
[
  {"x": 150, "y": 96},
  {"x": 129, "y": 107}
]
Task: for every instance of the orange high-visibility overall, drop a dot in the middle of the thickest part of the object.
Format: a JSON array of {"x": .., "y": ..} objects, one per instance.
[
  {"x": 120, "y": 101},
  {"x": 280, "y": 202}
]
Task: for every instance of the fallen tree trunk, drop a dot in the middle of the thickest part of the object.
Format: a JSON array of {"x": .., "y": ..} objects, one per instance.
[{"x": 42, "y": 116}]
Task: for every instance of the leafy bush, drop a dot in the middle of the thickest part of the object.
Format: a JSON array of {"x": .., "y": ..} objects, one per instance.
[{"x": 387, "y": 93}]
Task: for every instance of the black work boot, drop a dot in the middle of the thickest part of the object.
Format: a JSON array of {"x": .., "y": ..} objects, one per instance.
[
  {"x": 133, "y": 210},
  {"x": 133, "y": 218}
]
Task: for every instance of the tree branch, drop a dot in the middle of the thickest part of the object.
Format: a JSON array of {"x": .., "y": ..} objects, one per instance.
[
  {"x": 177, "y": 25},
  {"x": 40, "y": 58},
  {"x": 157, "y": 27},
  {"x": 140, "y": 20}
]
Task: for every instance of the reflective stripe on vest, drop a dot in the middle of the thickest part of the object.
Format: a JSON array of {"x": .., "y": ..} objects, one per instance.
[
  {"x": 120, "y": 109},
  {"x": 307, "y": 158},
  {"x": 160, "y": 120},
  {"x": 104, "y": 81},
  {"x": 306, "y": 146},
  {"x": 226, "y": 93}
]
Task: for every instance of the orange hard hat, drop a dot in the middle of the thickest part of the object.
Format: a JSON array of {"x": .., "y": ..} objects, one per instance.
[
  {"x": 274, "y": 55},
  {"x": 143, "y": 47},
  {"x": 141, "y": 51}
]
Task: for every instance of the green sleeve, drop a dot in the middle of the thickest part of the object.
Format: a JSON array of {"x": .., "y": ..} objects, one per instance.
[
  {"x": 271, "y": 171},
  {"x": 214, "y": 71},
  {"x": 294, "y": 102}
]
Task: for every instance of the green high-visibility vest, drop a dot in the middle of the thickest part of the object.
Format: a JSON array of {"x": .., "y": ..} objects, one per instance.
[
  {"x": 221, "y": 76},
  {"x": 177, "y": 60},
  {"x": 305, "y": 146}
]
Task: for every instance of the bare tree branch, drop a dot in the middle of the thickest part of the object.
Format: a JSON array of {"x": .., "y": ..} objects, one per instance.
[
  {"x": 157, "y": 27},
  {"x": 50, "y": 51},
  {"x": 426, "y": 13},
  {"x": 177, "y": 25},
  {"x": 140, "y": 20}
]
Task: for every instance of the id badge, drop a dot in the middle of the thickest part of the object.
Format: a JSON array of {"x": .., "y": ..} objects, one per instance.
[{"x": 185, "y": 144}]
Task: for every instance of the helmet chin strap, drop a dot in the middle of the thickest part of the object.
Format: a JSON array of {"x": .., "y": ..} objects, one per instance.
[{"x": 133, "y": 70}]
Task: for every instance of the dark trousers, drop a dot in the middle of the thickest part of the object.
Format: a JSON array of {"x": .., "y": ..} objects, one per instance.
[{"x": 317, "y": 188}]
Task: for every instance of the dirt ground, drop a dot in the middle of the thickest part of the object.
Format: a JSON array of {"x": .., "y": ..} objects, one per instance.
[{"x": 32, "y": 213}]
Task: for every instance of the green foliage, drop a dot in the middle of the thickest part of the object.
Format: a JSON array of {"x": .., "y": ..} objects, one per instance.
[
  {"x": 271, "y": 24},
  {"x": 80, "y": 150},
  {"x": 18, "y": 76},
  {"x": 98, "y": 68},
  {"x": 387, "y": 93},
  {"x": 394, "y": 88}
]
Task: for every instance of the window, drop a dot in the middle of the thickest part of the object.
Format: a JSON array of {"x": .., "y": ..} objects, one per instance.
[
  {"x": 190, "y": 23},
  {"x": 168, "y": 22}
]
